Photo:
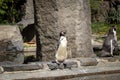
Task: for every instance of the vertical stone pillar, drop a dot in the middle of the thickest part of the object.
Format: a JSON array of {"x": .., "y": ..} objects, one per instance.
[
  {"x": 53, "y": 16},
  {"x": 29, "y": 13},
  {"x": 46, "y": 25},
  {"x": 74, "y": 17}
]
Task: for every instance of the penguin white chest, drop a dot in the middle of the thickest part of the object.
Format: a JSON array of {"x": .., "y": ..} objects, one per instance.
[
  {"x": 63, "y": 42},
  {"x": 115, "y": 33},
  {"x": 61, "y": 54}
]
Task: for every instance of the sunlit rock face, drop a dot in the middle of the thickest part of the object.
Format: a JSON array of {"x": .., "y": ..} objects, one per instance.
[
  {"x": 54, "y": 16},
  {"x": 11, "y": 44}
]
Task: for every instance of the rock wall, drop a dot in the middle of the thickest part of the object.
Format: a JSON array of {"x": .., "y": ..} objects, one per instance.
[
  {"x": 101, "y": 13},
  {"x": 73, "y": 16},
  {"x": 11, "y": 44},
  {"x": 28, "y": 17},
  {"x": 29, "y": 14},
  {"x": 27, "y": 21}
]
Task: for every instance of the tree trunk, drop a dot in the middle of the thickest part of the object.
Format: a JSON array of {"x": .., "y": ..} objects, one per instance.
[{"x": 53, "y": 16}]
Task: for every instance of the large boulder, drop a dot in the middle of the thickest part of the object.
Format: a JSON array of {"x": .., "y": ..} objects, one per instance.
[
  {"x": 11, "y": 44},
  {"x": 88, "y": 61},
  {"x": 54, "y": 16}
]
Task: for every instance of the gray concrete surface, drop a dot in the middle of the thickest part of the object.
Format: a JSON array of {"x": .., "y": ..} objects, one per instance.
[{"x": 104, "y": 70}]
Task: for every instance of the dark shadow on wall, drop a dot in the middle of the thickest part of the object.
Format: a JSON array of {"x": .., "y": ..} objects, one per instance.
[
  {"x": 37, "y": 32},
  {"x": 38, "y": 48},
  {"x": 28, "y": 33}
]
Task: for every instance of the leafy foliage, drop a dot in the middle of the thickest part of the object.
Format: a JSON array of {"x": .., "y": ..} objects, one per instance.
[
  {"x": 95, "y": 6},
  {"x": 9, "y": 11},
  {"x": 111, "y": 14}
]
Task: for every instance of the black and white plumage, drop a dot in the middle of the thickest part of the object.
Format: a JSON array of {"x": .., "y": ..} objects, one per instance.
[
  {"x": 110, "y": 44},
  {"x": 61, "y": 53}
]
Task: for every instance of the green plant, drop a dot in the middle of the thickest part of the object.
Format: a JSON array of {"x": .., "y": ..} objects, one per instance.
[
  {"x": 95, "y": 9},
  {"x": 9, "y": 11},
  {"x": 113, "y": 16},
  {"x": 21, "y": 27}
]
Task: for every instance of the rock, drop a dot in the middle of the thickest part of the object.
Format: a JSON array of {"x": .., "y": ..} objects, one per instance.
[
  {"x": 25, "y": 22},
  {"x": 1, "y": 69},
  {"x": 52, "y": 66},
  {"x": 11, "y": 44},
  {"x": 68, "y": 64},
  {"x": 71, "y": 64},
  {"x": 88, "y": 62},
  {"x": 19, "y": 58},
  {"x": 63, "y": 15},
  {"x": 28, "y": 14},
  {"x": 7, "y": 63},
  {"x": 104, "y": 53},
  {"x": 22, "y": 67}
]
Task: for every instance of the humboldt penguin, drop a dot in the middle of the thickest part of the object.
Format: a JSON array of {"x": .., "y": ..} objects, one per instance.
[
  {"x": 110, "y": 44},
  {"x": 61, "y": 53}
]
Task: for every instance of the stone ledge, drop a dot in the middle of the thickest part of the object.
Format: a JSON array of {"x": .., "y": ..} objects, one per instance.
[
  {"x": 66, "y": 65},
  {"x": 103, "y": 67},
  {"x": 70, "y": 63},
  {"x": 88, "y": 61},
  {"x": 59, "y": 74},
  {"x": 22, "y": 67},
  {"x": 109, "y": 59}
]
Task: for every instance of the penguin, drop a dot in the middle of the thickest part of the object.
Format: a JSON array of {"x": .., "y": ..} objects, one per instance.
[
  {"x": 113, "y": 41},
  {"x": 61, "y": 53},
  {"x": 110, "y": 44}
]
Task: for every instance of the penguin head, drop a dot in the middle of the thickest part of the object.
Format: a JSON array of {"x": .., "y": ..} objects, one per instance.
[
  {"x": 112, "y": 30},
  {"x": 62, "y": 33}
]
